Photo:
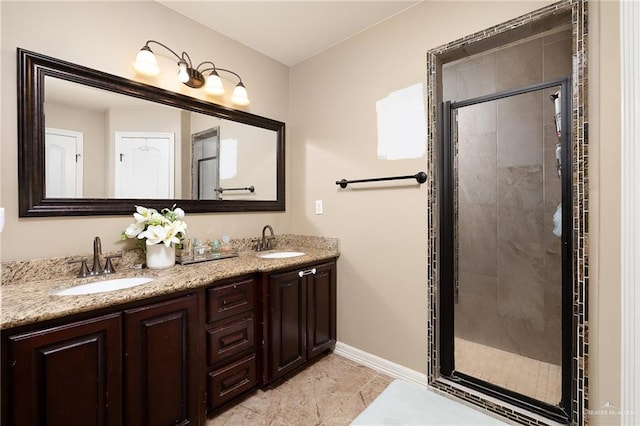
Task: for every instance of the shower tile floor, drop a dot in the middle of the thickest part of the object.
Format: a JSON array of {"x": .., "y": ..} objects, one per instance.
[
  {"x": 332, "y": 391},
  {"x": 537, "y": 379}
]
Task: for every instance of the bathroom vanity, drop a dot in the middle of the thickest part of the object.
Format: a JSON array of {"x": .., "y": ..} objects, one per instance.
[
  {"x": 301, "y": 317},
  {"x": 172, "y": 351}
]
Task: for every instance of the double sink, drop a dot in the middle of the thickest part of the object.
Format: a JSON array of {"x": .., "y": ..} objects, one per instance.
[
  {"x": 280, "y": 254},
  {"x": 104, "y": 286}
]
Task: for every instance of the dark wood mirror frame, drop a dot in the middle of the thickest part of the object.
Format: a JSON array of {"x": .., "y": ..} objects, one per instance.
[{"x": 32, "y": 70}]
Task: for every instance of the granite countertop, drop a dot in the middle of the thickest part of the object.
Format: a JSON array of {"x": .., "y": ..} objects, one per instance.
[{"x": 33, "y": 301}]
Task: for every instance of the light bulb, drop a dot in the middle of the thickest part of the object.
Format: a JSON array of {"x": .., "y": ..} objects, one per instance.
[
  {"x": 146, "y": 63},
  {"x": 214, "y": 85},
  {"x": 239, "y": 96},
  {"x": 183, "y": 74}
]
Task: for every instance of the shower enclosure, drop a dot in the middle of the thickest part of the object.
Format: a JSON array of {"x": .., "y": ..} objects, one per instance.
[
  {"x": 506, "y": 246},
  {"x": 205, "y": 164}
]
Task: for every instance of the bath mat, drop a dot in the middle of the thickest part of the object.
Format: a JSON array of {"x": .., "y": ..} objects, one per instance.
[{"x": 406, "y": 403}]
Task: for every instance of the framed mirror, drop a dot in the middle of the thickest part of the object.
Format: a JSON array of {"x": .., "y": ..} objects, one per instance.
[{"x": 91, "y": 143}]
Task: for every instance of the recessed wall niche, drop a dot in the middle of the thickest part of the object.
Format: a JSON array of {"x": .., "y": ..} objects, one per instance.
[{"x": 567, "y": 15}]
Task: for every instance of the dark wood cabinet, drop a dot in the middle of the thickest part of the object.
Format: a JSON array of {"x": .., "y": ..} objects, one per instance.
[
  {"x": 169, "y": 360},
  {"x": 161, "y": 363},
  {"x": 230, "y": 340},
  {"x": 300, "y": 318},
  {"x": 288, "y": 323},
  {"x": 65, "y": 375},
  {"x": 133, "y": 367},
  {"x": 321, "y": 310}
]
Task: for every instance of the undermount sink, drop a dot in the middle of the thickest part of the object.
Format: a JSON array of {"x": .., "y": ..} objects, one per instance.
[
  {"x": 103, "y": 286},
  {"x": 281, "y": 254}
]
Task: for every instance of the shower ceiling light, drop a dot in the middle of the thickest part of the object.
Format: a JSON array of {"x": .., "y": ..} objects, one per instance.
[{"x": 147, "y": 64}]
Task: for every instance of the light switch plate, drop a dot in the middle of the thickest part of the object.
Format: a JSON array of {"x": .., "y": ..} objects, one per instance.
[{"x": 319, "y": 207}]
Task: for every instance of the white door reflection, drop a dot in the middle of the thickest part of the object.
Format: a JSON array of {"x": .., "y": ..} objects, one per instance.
[
  {"x": 144, "y": 165},
  {"x": 64, "y": 163}
]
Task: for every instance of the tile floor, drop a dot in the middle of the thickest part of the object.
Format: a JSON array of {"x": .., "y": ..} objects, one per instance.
[
  {"x": 527, "y": 376},
  {"x": 331, "y": 392}
]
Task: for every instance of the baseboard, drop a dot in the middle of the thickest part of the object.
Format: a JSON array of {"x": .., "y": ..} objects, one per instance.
[{"x": 380, "y": 364}]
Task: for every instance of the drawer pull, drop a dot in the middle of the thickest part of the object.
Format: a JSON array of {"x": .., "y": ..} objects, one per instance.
[
  {"x": 234, "y": 299},
  {"x": 231, "y": 381},
  {"x": 235, "y": 381},
  {"x": 234, "y": 338},
  {"x": 307, "y": 272}
]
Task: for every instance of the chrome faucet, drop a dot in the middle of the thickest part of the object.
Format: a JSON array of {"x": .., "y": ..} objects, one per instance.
[
  {"x": 265, "y": 242},
  {"x": 97, "y": 268},
  {"x": 97, "y": 252}
]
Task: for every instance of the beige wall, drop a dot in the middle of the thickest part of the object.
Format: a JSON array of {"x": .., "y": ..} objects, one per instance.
[
  {"x": 256, "y": 157},
  {"x": 256, "y": 162},
  {"x": 605, "y": 202},
  {"x": 92, "y": 125},
  {"x": 106, "y": 36},
  {"x": 382, "y": 304}
]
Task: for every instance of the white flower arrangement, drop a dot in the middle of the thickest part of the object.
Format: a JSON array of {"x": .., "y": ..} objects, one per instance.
[{"x": 166, "y": 227}]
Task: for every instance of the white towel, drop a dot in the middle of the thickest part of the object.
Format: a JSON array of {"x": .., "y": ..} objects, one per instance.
[{"x": 557, "y": 221}]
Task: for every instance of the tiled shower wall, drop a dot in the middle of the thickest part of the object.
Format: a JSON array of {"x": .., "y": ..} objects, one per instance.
[{"x": 509, "y": 270}]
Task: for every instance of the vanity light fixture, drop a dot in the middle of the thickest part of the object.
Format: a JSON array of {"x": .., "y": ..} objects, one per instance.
[{"x": 147, "y": 64}]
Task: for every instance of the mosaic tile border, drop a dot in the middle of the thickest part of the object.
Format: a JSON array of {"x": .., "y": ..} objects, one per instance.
[{"x": 579, "y": 403}]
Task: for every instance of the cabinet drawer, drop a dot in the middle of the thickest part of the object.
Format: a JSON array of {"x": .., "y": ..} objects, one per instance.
[
  {"x": 230, "y": 299},
  {"x": 230, "y": 339},
  {"x": 229, "y": 382}
]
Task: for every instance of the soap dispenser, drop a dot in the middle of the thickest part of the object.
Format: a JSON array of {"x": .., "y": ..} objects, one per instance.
[{"x": 226, "y": 244}]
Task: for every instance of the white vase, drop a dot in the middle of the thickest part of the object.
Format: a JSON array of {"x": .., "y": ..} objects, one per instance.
[{"x": 160, "y": 256}]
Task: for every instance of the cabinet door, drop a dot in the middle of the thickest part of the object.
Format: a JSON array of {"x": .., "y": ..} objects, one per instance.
[
  {"x": 161, "y": 364},
  {"x": 288, "y": 323},
  {"x": 321, "y": 310},
  {"x": 67, "y": 375}
]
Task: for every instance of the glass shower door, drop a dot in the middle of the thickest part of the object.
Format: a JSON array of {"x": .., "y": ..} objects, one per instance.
[{"x": 506, "y": 202}]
